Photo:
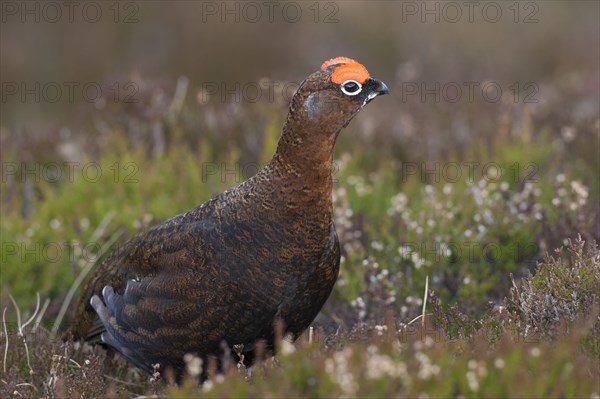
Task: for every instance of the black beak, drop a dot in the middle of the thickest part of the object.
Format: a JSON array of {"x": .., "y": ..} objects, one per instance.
[
  {"x": 375, "y": 88},
  {"x": 381, "y": 88}
]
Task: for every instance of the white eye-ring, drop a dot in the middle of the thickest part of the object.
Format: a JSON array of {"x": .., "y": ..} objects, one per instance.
[{"x": 351, "y": 87}]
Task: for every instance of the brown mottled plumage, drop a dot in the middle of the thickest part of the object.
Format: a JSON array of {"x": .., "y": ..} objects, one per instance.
[{"x": 226, "y": 270}]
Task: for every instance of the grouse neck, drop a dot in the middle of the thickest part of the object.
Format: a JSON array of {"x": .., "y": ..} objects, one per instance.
[{"x": 308, "y": 157}]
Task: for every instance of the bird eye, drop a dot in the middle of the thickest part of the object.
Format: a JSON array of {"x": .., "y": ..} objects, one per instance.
[{"x": 351, "y": 87}]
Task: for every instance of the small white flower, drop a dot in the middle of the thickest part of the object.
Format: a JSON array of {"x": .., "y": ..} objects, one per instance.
[
  {"x": 499, "y": 363},
  {"x": 377, "y": 246},
  {"x": 287, "y": 348}
]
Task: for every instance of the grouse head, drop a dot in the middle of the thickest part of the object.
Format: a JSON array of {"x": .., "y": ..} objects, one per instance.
[
  {"x": 329, "y": 98},
  {"x": 326, "y": 101}
]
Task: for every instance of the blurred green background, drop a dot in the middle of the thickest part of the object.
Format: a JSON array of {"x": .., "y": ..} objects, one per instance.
[{"x": 181, "y": 63}]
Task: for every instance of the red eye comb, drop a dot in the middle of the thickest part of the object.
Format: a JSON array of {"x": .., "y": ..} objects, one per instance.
[
  {"x": 350, "y": 70},
  {"x": 337, "y": 60}
]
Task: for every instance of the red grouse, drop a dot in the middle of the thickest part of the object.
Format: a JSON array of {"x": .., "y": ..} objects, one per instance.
[{"x": 227, "y": 270}]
